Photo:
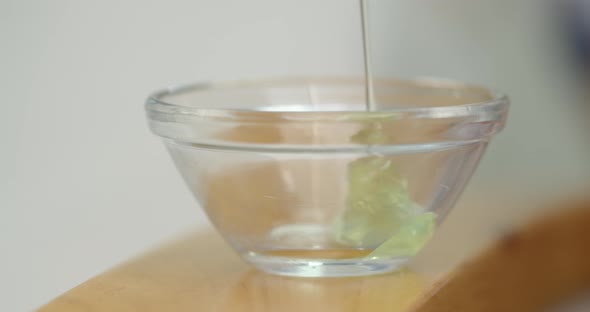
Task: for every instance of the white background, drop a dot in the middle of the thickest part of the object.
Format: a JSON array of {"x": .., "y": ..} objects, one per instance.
[{"x": 84, "y": 185}]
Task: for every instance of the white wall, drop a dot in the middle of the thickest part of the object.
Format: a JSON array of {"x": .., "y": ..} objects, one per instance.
[{"x": 84, "y": 186}]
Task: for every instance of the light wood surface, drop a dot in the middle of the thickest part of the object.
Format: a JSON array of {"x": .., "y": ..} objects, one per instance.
[
  {"x": 201, "y": 273},
  {"x": 544, "y": 266}
]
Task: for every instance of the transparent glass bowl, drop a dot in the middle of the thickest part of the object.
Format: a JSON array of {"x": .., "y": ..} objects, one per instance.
[{"x": 301, "y": 180}]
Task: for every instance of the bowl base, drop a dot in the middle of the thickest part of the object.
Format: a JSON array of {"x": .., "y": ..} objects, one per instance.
[{"x": 318, "y": 267}]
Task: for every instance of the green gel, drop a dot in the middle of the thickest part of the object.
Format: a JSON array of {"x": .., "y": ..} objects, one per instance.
[
  {"x": 409, "y": 239},
  {"x": 379, "y": 210}
]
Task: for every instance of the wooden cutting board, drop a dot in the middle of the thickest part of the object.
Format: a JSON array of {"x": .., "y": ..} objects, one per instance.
[{"x": 201, "y": 273}]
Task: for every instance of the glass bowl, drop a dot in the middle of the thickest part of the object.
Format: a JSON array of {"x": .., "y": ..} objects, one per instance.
[{"x": 300, "y": 179}]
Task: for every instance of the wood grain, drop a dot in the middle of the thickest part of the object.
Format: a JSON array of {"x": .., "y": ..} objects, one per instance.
[
  {"x": 532, "y": 269},
  {"x": 201, "y": 273},
  {"x": 528, "y": 270}
]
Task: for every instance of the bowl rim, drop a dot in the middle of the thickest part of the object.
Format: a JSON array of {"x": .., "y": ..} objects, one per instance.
[{"x": 155, "y": 105}]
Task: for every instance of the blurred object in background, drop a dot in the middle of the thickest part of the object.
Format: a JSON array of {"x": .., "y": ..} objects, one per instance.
[{"x": 576, "y": 19}]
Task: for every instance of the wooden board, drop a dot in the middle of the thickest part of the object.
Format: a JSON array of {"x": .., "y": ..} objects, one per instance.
[
  {"x": 539, "y": 267},
  {"x": 201, "y": 273}
]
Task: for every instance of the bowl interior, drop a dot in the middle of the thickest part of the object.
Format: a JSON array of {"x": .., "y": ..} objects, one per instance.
[
  {"x": 338, "y": 209},
  {"x": 301, "y": 180}
]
